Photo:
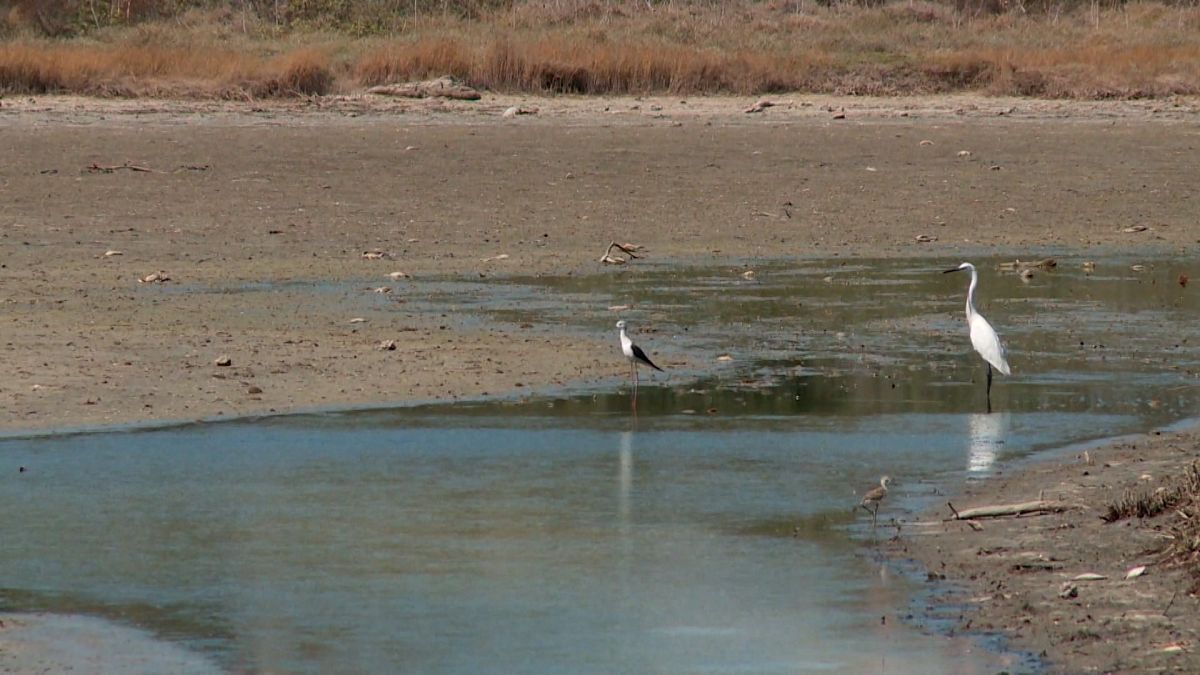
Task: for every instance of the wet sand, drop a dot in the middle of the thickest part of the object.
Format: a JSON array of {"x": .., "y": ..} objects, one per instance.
[{"x": 290, "y": 196}]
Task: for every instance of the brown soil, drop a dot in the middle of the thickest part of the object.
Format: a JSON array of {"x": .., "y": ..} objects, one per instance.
[
  {"x": 296, "y": 192},
  {"x": 1019, "y": 576}
]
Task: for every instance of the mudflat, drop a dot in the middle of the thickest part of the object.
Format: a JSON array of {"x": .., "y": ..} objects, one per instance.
[
  {"x": 129, "y": 228},
  {"x": 101, "y": 194}
]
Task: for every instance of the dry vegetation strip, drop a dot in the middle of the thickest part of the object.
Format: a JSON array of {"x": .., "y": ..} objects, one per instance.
[
  {"x": 741, "y": 47},
  {"x": 1178, "y": 501}
]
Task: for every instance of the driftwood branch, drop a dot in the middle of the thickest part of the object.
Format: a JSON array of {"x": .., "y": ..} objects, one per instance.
[
  {"x": 101, "y": 168},
  {"x": 442, "y": 87},
  {"x": 628, "y": 249},
  {"x": 999, "y": 511}
]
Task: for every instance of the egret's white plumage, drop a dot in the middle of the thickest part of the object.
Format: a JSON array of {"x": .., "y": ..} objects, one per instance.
[{"x": 983, "y": 336}]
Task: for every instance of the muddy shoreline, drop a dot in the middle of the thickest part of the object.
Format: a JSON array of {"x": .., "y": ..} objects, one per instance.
[
  {"x": 1055, "y": 585},
  {"x": 325, "y": 203}
]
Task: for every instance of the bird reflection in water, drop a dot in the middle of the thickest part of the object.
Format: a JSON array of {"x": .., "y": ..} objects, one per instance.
[{"x": 986, "y": 434}]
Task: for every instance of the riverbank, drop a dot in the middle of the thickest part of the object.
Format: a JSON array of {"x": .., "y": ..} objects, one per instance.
[{"x": 1083, "y": 593}]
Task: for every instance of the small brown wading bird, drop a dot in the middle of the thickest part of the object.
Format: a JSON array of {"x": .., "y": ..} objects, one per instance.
[
  {"x": 635, "y": 355},
  {"x": 871, "y": 500}
]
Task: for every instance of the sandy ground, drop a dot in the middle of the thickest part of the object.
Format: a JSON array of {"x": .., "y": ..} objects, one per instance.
[{"x": 291, "y": 195}]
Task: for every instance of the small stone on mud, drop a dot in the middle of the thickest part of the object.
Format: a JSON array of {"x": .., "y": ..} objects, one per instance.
[
  {"x": 154, "y": 278},
  {"x": 223, "y": 360},
  {"x": 254, "y": 390},
  {"x": 388, "y": 345},
  {"x": 515, "y": 110}
]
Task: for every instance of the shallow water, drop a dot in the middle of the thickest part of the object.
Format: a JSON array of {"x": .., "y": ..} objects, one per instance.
[{"x": 714, "y": 532}]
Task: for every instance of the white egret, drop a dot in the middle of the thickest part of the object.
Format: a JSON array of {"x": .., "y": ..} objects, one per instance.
[
  {"x": 983, "y": 336},
  {"x": 635, "y": 355},
  {"x": 872, "y": 499}
]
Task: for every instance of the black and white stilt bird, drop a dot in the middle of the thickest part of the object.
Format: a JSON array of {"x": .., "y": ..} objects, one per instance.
[
  {"x": 635, "y": 355},
  {"x": 983, "y": 336},
  {"x": 874, "y": 497}
]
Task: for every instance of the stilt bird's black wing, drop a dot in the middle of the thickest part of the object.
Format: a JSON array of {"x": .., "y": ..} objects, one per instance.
[{"x": 641, "y": 356}]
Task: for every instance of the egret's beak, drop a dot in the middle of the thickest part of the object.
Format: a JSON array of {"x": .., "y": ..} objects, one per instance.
[{"x": 953, "y": 269}]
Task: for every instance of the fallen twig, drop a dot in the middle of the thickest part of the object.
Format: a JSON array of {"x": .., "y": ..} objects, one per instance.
[
  {"x": 1172, "y": 602},
  {"x": 1001, "y": 510},
  {"x": 102, "y": 168},
  {"x": 628, "y": 249}
]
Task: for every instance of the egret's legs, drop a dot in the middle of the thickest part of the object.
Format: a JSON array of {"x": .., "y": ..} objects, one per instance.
[{"x": 989, "y": 388}]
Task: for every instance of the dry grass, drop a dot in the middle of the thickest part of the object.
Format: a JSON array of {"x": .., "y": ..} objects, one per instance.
[
  {"x": 145, "y": 71},
  {"x": 586, "y": 65},
  {"x": 1184, "y": 547},
  {"x": 575, "y": 46},
  {"x": 1178, "y": 499}
]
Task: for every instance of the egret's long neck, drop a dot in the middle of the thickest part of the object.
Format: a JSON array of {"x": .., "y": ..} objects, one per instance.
[{"x": 971, "y": 293}]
